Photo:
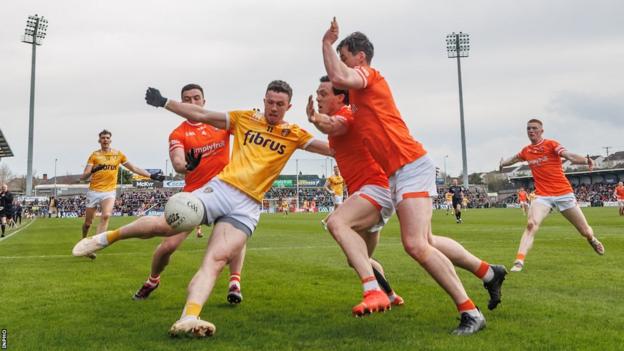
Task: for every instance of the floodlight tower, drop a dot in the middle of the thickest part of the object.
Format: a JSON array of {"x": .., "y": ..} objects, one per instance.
[
  {"x": 35, "y": 33},
  {"x": 457, "y": 46}
]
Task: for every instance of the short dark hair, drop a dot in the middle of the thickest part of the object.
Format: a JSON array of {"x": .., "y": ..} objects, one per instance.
[
  {"x": 325, "y": 79},
  {"x": 279, "y": 86},
  {"x": 535, "y": 120},
  {"x": 105, "y": 131},
  {"x": 356, "y": 42},
  {"x": 191, "y": 87}
]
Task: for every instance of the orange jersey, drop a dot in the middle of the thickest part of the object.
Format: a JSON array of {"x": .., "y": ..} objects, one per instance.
[
  {"x": 379, "y": 123},
  {"x": 260, "y": 152},
  {"x": 213, "y": 142},
  {"x": 357, "y": 165},
  {"x": 544, "y": 159},
  {"x": 523, "y": 196},
  {"x": 619, "y": 190},
  {"x": 105, "y": 180}
]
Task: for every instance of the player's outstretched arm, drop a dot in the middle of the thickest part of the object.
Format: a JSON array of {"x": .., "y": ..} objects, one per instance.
[
  {"x": 340, "y": 74},
  {"x": 320, "y": 147},
  {"x": 508, "y": 162},
  {"x": 140, "y": 171},
  {"x": 578, "y": 159},
  {"x": 191, "y": 112},
  {"x": 325, "y": 124}
]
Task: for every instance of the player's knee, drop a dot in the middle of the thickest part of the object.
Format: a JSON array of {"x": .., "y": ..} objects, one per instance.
[
  {"x": 167, "y": 248},
  {"x": 532, "y": 226},
  {"x": 334, "y": 223},
  {"x": 418, "y": 249},
  {"x": 105, "y": 216}
]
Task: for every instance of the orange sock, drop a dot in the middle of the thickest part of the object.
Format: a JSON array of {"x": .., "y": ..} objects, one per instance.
[
  {"x": 483, "y": 269},
  {"x": 112, "y": 236},
  {"x": 520, "y": 257},
  {"x": 466, "y": 306}
]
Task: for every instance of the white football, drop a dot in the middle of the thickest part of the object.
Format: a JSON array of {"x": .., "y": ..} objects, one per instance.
[{"x": 184, "y": 211}]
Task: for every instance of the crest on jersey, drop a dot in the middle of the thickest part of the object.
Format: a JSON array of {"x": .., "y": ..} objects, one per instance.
[{"x": 285, "y": 132}]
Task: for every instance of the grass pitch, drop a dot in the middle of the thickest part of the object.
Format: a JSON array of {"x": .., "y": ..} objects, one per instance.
[{"x": 298, "y": 290}]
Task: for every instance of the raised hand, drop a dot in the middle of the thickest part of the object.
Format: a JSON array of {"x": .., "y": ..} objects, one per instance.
[
  {"x": 590, "y": 163},
  {"x": 310, "y": 110},
  {"x": 193, "y": 158},
  {"x": 331, "y": 35},
  {"x": 157, "y": 176},
  {"x": 153, "y": 97}
]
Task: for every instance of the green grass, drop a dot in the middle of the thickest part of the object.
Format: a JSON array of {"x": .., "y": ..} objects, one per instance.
[{"x": 299, "y": 290}]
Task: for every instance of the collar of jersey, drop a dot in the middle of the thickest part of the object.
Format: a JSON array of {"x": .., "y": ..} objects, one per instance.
[{"x": 194, "y": 124}]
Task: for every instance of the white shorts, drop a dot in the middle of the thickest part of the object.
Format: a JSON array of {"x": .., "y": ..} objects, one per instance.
[
  {"x": 621, "y": 203},
  {"x": 561, "y": 202},
  {"x": 382, "y": 200},
  {"x": 95, "y": 198},
  {"x": 523, "y": 203},
  {"x": 224, "y": 202},
  {"x": 338, "y": 199},
  {"x": 413, "y": 180}
]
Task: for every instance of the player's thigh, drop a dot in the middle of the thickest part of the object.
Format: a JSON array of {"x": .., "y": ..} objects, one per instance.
[
  {"x": 415, "y": 220},
  {"x": 171, "y": 243},
  {"x": 225, "y": 242},
  {"x": 107, "y": 205},
  {"x": 576, "y": 216},
  {"x": 357, "y": 212}
]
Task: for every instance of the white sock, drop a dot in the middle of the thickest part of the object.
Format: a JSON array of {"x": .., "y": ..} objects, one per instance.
[
  {"x": 101, "y": 238},
  {"x": 488, "y": 276},
  {"x": 371, "y": 285}
]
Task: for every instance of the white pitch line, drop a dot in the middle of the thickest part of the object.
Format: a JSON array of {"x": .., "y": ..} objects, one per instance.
[
  {"x": 193, "y": 250},
  {"x": 17, "y": 231}
]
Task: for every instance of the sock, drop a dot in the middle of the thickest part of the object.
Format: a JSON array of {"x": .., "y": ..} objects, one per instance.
[
  {"x": 3, "y": 227},
  {"x": 153, "y": 280},
  {"x": 520, "y": 257},
  {"x": 191, "y": 310},
  {"x": 112, "y": 235},
  {"x": 468, "y": 307},
  {"x": 370, "y": 283},
  {"x": 107, "y": 237},
  {"x": 381, "y": 280},
  {"x": 459, "y": 215},
  {"x": 485, "y": 272},
  {"x": 234, "y": 280}
]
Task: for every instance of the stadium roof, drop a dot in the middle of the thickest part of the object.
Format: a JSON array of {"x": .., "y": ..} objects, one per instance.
[{"x": 5, "y": 149}]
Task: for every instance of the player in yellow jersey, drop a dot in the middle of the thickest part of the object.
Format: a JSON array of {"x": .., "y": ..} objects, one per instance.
[
  {"x": 448, "y": 198},
  {"x": 103, "y": 167},
  {"x": 284, "y": 206},
  {"x": 335, "y": 185},
  {"x": 263, "y": 143}
]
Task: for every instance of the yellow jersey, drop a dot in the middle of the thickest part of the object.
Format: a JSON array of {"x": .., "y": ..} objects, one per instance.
[
  {"x": 449, "y": 197},
  {"x": 336, "y": 184},
  {"x": 260, "y": 151},
  {"x": 532, "y": 196},
  {"x": 106, "y": 179}
]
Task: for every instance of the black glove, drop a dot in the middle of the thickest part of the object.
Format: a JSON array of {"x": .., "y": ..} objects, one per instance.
[
  {"x": 153, "y": 97},
  {"x": 157, "y": 176},
  {"x": 97, "y": 168},
  {"x": 192, "y": 159}
]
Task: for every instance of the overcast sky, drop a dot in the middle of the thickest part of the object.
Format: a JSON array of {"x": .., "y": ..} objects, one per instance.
[{"x": 560, "y": 61}]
